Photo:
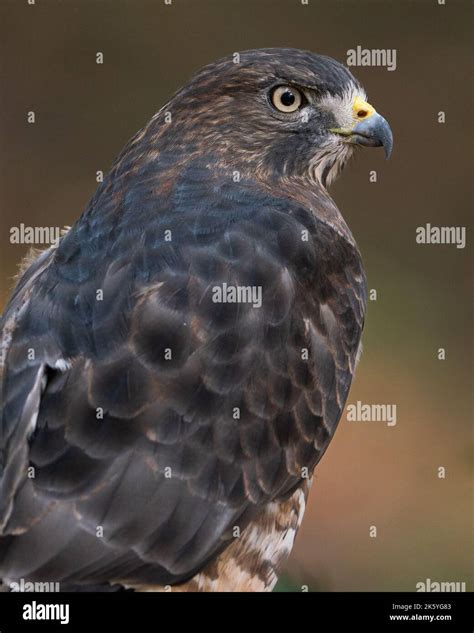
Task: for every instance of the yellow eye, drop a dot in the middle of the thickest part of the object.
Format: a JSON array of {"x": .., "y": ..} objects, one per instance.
[{"x": 287, "y": 99}]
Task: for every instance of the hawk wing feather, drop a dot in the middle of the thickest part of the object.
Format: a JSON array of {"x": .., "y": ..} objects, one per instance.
[{"x": 167, "y": 419}]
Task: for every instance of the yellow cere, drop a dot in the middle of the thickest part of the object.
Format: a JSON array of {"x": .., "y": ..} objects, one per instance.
[{"x": 361, "y": 109}]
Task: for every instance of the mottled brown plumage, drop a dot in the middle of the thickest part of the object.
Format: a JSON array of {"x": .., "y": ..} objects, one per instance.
[{"x": 170, "y": 438}]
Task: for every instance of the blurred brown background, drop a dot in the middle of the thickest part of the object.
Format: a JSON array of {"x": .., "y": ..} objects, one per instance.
[{"x": 372, "y": 474}]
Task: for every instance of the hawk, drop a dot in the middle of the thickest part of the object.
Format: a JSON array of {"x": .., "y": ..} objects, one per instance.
[{"x": 176, "y": 367}]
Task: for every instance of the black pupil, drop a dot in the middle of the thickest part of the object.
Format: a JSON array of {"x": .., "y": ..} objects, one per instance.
[{"x": 288, "y": 98}]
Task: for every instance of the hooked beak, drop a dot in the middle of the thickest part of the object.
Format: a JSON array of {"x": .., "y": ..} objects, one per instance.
[{"x": 369, "y": 129}]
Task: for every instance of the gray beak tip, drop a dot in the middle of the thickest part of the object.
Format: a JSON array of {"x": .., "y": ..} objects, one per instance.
[{"x": 375, "y": 132}]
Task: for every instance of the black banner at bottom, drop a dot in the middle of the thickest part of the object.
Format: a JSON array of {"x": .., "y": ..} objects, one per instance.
[{"x": 234, "y": 613}]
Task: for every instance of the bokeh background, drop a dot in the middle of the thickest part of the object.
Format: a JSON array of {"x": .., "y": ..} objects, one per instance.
[{"x": 372, "y": 475}]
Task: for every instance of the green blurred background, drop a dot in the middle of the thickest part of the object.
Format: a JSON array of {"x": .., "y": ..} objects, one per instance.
[{"x": 371, "y": 474}]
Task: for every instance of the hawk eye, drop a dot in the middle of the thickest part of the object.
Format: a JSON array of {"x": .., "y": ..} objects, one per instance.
[{"x": 286, "y": 98}]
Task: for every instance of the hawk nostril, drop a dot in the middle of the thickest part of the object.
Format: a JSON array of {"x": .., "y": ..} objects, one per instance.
[{"x": 362, "y": 113}]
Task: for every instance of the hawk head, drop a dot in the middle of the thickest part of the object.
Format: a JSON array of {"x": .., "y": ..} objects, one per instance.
[{"x": 277, "y": 112}]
